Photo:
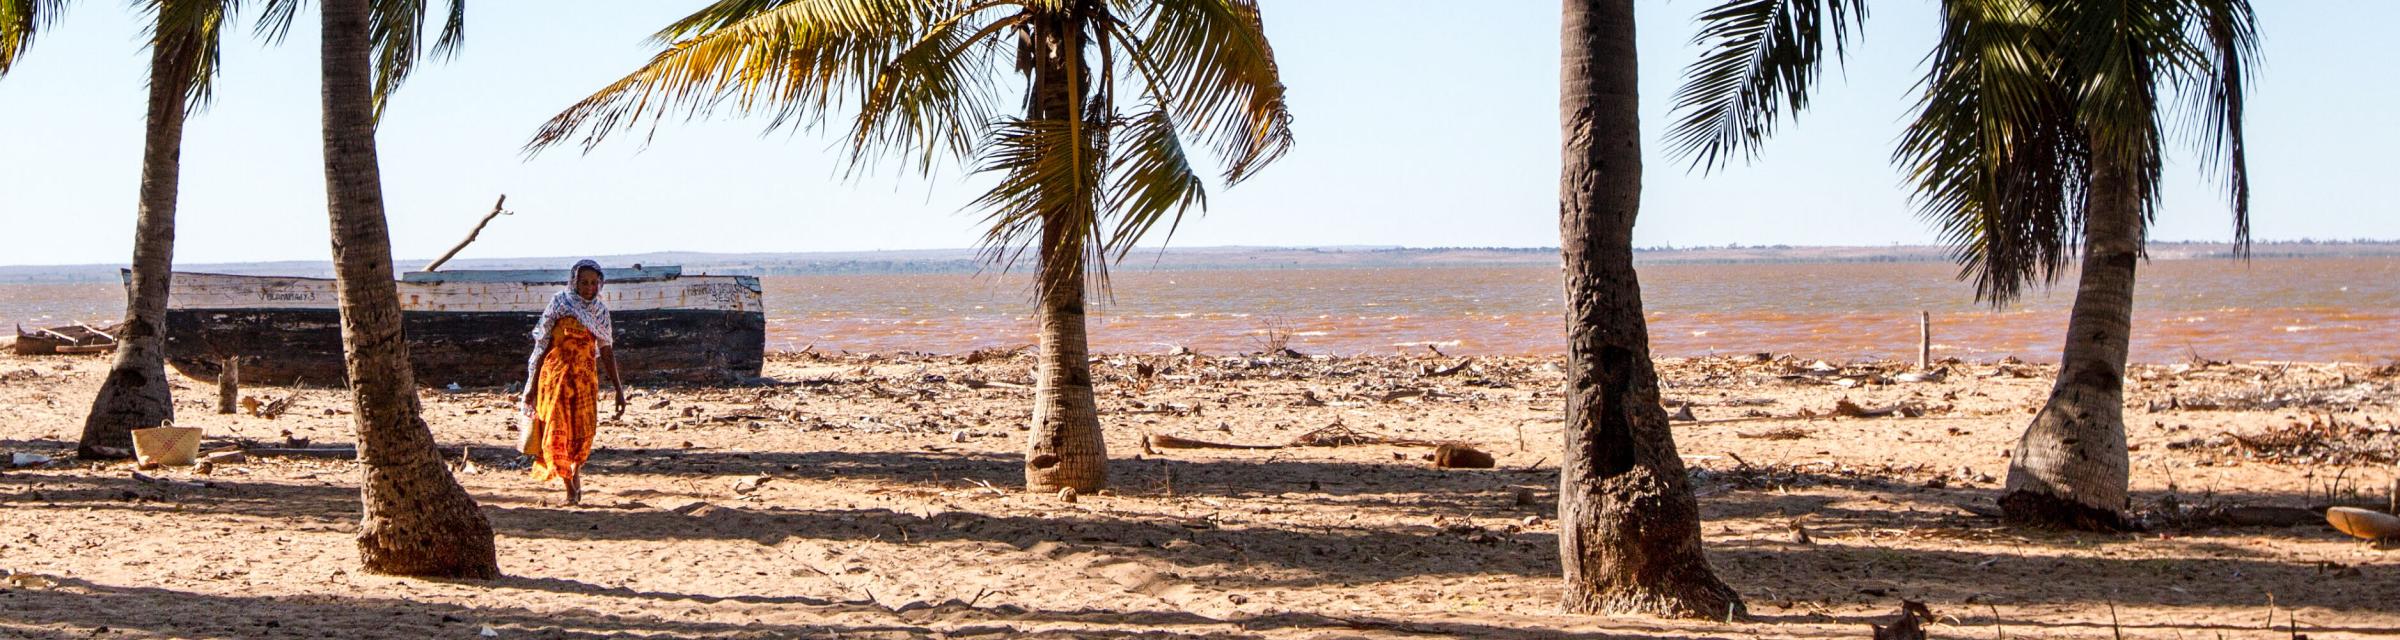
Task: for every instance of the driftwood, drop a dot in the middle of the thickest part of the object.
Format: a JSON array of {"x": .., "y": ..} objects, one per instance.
[
  {"x": 1334, "y": 435},
  {"x": 462, "y": 244},
  {"x": 1164, "y": 441},
  {"x": 1337, "y": 435},
  {"x": 305, "y": 452},
  {"x": 70, "y": 339},
  {"x": 1848, "y": 409},
  {"x": 1909, "y": 626},
  {"x": 270, "y": 409}
]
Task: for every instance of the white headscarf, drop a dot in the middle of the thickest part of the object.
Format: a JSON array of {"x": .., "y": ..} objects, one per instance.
[{"x": 592, "y": 313}]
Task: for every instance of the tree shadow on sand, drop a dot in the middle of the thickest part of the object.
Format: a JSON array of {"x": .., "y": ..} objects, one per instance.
[
  {"x": 1850, "y": 560},
  {"x": 82, "y": 609}
]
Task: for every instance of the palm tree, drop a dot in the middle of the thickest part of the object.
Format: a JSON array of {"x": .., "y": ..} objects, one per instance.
[
  {"x": 2041, "y": 131},
  {"x": 418, "y": 521},
  {"x": 183, "y": 62},
  {"x": 1082, "y": 177},
  {"x": 1629, "y": 530}
]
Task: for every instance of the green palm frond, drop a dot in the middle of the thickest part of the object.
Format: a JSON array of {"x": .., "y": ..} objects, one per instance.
[
  {"x": 795, "y": 59},
  {"x": 20, "y": 22},
  {"x": 275, "y": 19},
  {"x": 1151, "y": 180},
  {"x": 1042, "y": 184},
  {"x": 1762, "y": 57},
  {"x": 398, "y": 29},
  {"x": 1218, "y": 74},
  {"x": 936, "y": 96},
  {"x": 2230, "y": 33},
  {"x": 2115, "y": 55},
  {"x": 192, "y": 31},
  {"x": 1995, "y": 152}
]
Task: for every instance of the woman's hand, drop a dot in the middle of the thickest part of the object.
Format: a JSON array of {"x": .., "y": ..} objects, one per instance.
[{"x": 620, "y": 404}]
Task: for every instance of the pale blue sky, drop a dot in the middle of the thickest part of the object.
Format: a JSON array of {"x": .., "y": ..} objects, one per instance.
[{"x": 1420, "y": 123}]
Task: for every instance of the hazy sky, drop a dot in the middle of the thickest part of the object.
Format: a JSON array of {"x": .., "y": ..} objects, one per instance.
[{"x": 1419, "y": 122}]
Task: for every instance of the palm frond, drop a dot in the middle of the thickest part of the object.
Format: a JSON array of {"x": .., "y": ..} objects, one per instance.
[
  {"x": 1762, "y": 58},
  {"x": 792, "y": 58},
  {"x": 398, "y": 30},
  {"x": 275, "y": 19},
  {"x": 1150, "y": 181},
  {"x": 2230, "y": 33},
  {"x": 1043, "y": 182},
  {"x": 1208, "y": 63},
  {"x": 20, "y": 22},
  {"x": 1995, "y": 152},
  {"x": 191, "y": 32},
  {"x": 2115, "y": 56},
  {"x": 936, "y": 96}
]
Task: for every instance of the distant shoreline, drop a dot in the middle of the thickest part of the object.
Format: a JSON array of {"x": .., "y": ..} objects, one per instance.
[{"x": 938, "y": 261}]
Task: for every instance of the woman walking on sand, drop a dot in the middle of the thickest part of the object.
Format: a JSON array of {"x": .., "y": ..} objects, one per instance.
[{"x": 572, "y": 344}]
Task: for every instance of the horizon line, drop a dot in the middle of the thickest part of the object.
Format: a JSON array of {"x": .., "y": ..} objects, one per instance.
[{"x": 1165, "y": 250}]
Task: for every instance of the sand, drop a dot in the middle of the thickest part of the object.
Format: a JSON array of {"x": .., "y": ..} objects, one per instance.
[{"x": 871, "y": 497}]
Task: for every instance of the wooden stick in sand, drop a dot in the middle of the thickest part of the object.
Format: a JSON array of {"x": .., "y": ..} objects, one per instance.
[
  {"x": 229, "y": 384},
  {"x": 462, "y": 244},
  {"x": 1924, "y": 341}
]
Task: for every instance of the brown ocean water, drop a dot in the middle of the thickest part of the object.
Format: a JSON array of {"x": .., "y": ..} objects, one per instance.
[{"x": 2307, "y": 309}]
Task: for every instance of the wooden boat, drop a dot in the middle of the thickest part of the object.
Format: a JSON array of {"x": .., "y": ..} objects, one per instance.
[
  {"x": 469, "y": 328},
  {"x": 71, "y": 339}
]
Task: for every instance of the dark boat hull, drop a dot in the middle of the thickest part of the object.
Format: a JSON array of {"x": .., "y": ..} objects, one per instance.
[
  {"x": 468, "y": 328},
  {"x": 304, "y": 346}
]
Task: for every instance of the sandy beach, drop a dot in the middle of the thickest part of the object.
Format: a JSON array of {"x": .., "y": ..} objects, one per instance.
[{"x": 871, "y": 496}]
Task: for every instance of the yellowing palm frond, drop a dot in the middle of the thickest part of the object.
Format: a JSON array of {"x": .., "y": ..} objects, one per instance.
[
  {"x": 925, "y": 77},
  {"x": 935, "y": 97},
  {"x": 20, "y": 22},
  {"x": 793, "y": 58}
]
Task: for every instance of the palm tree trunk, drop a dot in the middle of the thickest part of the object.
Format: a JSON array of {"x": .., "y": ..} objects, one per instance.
[
  {"x": 136, "y": 394},
  {"x": 1629, "y": 528},
  {"x": 1065, "y": 449},
  {"x": 418, "y": 521},
  {"x": 2070, "y": 468}
]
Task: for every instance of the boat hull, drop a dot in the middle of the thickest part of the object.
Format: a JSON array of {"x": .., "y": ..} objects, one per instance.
[{"x": 673, "y": 330}]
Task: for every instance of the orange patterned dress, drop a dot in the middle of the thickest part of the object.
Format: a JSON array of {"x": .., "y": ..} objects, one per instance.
[{"x": 566, "y": 405}]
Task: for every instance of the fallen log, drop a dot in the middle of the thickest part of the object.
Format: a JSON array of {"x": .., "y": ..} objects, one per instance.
[
  {"x": 1164, "y": 441},
  {"x": 306, "y": 452}
]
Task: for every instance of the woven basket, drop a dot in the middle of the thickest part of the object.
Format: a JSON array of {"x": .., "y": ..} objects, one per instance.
[{"x": 169, "y": 446}]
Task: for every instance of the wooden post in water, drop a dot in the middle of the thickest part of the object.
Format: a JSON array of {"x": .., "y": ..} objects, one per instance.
[
  {"x": 229, "y": 384},
  {"x": 1924, "y": 341}
]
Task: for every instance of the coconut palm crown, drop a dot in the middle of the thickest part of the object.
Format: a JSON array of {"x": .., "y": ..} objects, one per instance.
[
  {"x": 2020, "y": 99},
  {"x": 922, "y": 79}
]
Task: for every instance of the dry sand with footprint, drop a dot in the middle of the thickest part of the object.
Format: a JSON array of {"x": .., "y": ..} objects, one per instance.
[{"x": 870, "y": 497}]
